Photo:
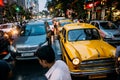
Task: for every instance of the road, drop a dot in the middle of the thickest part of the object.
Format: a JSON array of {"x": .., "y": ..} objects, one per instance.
[{"x": 32, "y": 70}]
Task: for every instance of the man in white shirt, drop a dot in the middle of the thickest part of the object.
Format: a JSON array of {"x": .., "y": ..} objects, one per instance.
[{"x": 58, "y": 70}]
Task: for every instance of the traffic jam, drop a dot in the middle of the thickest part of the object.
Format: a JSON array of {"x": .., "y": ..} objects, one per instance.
[{"x": 59, "y": 45}]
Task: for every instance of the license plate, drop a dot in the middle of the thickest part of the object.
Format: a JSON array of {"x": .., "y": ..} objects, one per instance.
[
  {"x": 27, "y": 54},
  {"x": 97, "y": 76}
]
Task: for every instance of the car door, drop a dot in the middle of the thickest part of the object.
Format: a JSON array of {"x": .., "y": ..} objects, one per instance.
[{"x": 62, "y": 40}]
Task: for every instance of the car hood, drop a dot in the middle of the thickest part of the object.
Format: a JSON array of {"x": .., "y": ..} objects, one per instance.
[
  {"x": 31, "y": 40},
  {"x": 93, "y": 49}
]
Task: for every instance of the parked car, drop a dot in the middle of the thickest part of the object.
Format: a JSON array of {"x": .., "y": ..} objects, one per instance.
[
  {"x": 108, "y": 30},
  {"x": 33, "y": 36},
  {"x": 85, "y": 52}
]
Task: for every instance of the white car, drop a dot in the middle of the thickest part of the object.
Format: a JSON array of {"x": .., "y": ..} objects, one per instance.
[
  {"x": 108, "y": 30},
  {"x": 10, "y": 28}
]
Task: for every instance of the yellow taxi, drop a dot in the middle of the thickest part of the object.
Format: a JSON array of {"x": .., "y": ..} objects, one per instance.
[
  {"x": 85, "y": 52},
  {"x": 62, "y": 22}
]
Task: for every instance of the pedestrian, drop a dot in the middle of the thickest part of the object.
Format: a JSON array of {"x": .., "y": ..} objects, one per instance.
[
  {"x": 117, "y": 62},
  {"x": 56, "y": 25},
  {"x": 54, "y": 30},
  {"x": 5, "y": 70},
  {"x": 58, "y": 70}
]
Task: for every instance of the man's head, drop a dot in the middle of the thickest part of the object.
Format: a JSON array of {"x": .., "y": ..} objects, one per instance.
[{"x": 45, "y": 55}]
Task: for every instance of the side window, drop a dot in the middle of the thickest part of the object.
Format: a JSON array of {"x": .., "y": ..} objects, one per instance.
[
  {"x": 97, "y": 25},
  {"x": 92, "y": 23}
]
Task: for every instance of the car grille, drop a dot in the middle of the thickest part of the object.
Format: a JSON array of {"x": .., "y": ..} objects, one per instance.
[
  {"x": 26, "y": 49},
  {"x": 99, "y": 64}
]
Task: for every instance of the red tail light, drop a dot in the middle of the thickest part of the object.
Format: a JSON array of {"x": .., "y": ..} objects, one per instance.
[{"x": 5, "y": 52}]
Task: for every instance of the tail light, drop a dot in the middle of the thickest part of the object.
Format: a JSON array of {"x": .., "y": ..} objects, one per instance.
[{"x": 4, "y": 52}]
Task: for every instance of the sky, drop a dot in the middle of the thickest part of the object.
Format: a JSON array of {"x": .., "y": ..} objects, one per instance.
[{"x": 42, "y": 5}]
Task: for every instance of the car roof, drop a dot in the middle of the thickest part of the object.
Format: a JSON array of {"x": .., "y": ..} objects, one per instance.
[
  {"x": 65, "y": 20},
  {"x": 78, "y": 26},
  {"x": 35, "y": 22}
]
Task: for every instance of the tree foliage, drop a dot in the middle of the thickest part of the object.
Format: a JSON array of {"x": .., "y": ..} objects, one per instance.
[{"x": 76, "y": 5}]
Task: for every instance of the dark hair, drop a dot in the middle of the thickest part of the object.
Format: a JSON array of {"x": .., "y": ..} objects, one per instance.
[{"x": 46, "y": 53}]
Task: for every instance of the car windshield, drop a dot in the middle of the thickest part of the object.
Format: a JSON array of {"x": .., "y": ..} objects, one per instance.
[
  {"x": 83, "y": 34},
  {"x": 33, "y": 30},
  {"x": 108, "y": 25}
]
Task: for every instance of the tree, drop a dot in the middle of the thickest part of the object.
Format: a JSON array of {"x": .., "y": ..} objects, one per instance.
[{"x": 76, "y": 5}]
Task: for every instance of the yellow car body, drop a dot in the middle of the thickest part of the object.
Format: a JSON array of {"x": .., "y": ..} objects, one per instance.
[{"x": 86, "y": 57}]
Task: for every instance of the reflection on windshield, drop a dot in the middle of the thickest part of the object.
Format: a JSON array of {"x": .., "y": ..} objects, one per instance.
[
  {"x": 83, "y": 34},
  {"x": 33, "y": 30},
  {"x": 108, "y": 25}
]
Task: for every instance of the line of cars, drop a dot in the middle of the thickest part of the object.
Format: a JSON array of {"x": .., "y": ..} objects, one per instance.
[
  {"x": 33, "y": 35},
  {"x": 83, "y": 48}
]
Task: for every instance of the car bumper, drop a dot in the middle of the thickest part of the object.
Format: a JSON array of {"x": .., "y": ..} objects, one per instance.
[
  {"x": 93, "y": 75},
  {"x": 19, "y": 56},
  {"x": 93, "y": 72}
]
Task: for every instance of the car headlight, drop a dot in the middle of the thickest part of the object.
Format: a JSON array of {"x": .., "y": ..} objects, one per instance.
[
  {"x": 75, "y": 61},
  {"x": 43, "y": 44},
  {"x": 13, "y": 49}
]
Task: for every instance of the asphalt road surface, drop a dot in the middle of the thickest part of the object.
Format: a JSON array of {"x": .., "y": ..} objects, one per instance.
[{"x": 32, "y": 70}]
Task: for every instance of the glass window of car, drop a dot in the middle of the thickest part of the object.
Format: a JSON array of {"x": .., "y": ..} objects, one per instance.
[
  {"x": 108, "y": 25},
  {"x": 3, "y": 27},
  {"x": 92, "y": 23},
  {"x": 83, "y": 34},
  {"x": 97, "y": 25},
  {"x": 34, "y": 30}
]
